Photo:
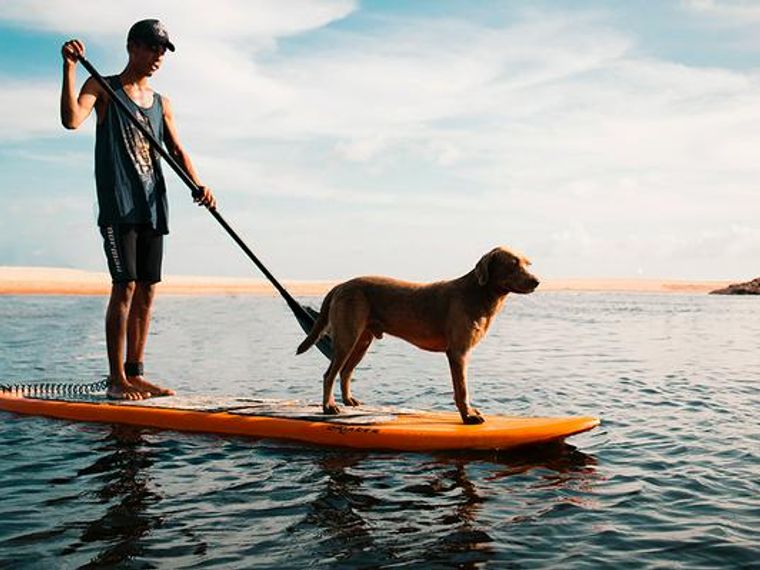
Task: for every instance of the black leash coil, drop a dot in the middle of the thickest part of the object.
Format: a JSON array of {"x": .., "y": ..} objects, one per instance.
[{"x": 54, "y": 388}]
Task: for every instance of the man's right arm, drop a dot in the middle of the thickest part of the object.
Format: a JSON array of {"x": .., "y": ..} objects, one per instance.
[{"x": 74, "y": 110}]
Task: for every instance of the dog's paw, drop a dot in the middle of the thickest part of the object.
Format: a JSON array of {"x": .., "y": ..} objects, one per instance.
[
  {"x": 473, "y": 417},
  {"x": 330, "y": 409},
  {"x": 351, "y": 401}
]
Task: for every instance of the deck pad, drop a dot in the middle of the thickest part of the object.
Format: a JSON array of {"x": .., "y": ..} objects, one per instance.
[{"x": 292, "y": 409}]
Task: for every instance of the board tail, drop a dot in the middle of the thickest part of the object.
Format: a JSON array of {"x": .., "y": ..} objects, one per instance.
[{"x": 319, "y": 326}]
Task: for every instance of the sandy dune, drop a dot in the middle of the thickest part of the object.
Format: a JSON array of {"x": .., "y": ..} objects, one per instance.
[{"x": 57, "y": 281}]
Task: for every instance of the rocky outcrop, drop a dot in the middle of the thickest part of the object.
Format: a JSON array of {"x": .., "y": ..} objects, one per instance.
[{"x": 748, "y": 288}]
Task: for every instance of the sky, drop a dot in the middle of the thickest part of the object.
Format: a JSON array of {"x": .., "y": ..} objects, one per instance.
[{"x": 344, "y": 137}]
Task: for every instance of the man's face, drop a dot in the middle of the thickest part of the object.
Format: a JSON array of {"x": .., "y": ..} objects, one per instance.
[{"x": 146, "y": 59}]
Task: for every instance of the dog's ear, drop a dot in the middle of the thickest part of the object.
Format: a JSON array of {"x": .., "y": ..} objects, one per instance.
[{"x": 481, "y": 268}]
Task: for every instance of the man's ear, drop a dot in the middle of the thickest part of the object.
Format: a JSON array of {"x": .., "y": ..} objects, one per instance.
[{"x": 481, "y": 268}]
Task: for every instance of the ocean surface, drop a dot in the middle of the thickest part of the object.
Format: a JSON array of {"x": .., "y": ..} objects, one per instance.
[{"x": 671, "y": 479}]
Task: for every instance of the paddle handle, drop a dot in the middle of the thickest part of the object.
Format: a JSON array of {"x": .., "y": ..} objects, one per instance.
[{"x": 299, "y": 311}]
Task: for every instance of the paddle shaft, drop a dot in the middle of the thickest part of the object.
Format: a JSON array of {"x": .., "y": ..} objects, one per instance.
[{"x": 297, "y": 309}]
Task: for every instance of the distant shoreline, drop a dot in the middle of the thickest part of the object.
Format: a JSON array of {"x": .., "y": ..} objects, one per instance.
[{"x": 59, "y": 281}]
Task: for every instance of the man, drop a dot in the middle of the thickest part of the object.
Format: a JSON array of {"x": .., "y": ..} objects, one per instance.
[{"x": 131, "y": 194}]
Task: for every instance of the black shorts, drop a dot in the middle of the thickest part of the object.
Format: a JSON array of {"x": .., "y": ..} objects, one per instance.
[{"x": 134, "y": 252}]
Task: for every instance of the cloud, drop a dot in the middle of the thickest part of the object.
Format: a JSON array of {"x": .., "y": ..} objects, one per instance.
[
  {"x": 733, "y": 12},
  {"x": 229, "y": 19},
  {"x": 218, "y": 44},
  {"x": 549, "y": 129},
  {"x": 35, "y": 109}
]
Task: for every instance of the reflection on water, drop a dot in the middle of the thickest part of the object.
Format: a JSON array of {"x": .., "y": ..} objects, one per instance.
[
  {"x": 669, "y": 479},
  {"x": 349, "y": 518},
  {"x": 337, "y": 511},
  {"x": 122, "y": 483}
]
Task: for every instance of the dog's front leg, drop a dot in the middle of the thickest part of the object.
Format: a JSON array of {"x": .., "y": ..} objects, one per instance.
[{"x": 458, "y": 365}]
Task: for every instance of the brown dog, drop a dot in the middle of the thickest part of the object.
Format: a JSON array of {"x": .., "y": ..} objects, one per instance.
[{"x": 448, "y": 316}]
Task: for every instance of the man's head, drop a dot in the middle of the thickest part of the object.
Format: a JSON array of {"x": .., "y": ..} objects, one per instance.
[
  {"x": 151, "y": 33},
  {"x": 147, "y": 42}
]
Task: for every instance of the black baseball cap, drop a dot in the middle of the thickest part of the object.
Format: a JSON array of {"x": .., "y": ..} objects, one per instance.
[{"x": 150, "y": 32}]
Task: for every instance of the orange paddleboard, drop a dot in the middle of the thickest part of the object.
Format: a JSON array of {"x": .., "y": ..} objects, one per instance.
[{"x": 363, "y": 427}]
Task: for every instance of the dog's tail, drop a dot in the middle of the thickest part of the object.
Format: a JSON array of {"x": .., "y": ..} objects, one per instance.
[{"x": 319, "y": 325}]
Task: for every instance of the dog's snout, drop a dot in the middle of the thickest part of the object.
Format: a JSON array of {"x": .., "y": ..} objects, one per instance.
[{"x": 529, "y": 282}]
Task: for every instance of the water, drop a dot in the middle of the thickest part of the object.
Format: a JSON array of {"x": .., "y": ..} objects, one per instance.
[{"x": 670, "y": 479}]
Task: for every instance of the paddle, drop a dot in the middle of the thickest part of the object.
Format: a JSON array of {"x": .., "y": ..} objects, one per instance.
[{"x": 306, "y": 316}]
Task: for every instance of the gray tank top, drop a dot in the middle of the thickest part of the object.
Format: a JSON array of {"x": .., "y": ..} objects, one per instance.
[{"x": 128, "y": 176}]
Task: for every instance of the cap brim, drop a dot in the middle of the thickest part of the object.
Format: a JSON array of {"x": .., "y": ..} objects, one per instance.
[{"x": 169, "y": 46}]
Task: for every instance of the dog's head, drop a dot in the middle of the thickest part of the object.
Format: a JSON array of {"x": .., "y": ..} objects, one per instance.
[{"x": 505, "y": 272}]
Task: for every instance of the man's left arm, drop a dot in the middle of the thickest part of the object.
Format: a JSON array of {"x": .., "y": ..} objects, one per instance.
[{"x": 171, "y": 140}]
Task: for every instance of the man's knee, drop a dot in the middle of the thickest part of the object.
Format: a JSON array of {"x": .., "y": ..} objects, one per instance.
[
  {"x": 121, "y": 299},
  {"x": 145, "y": 291},
  {"x": 125, "y": 288},
  {"x": 123, "y": 291},
  {"x": 146, "y": 288}
]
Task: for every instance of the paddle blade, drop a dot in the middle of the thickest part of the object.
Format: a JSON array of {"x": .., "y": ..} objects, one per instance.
[{"x": 306, "y": 319}]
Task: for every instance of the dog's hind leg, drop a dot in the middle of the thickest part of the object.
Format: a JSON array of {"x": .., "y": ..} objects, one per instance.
[
  {"x": 349, "y": 312},
  {"x": 344, "y": 340},
  {"x": 340, "y": 355},
  {"x": 360, "y": 349}
]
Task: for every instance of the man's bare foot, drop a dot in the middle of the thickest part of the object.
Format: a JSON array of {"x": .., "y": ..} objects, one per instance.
[
  {"x": 124, "y": 390},
  {"x": 140, "y": 383}
]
